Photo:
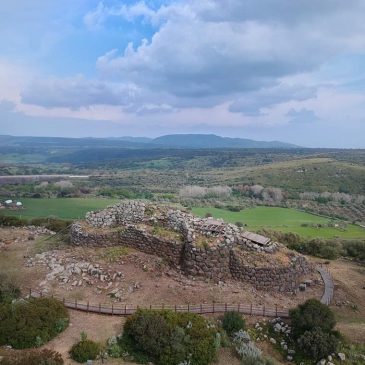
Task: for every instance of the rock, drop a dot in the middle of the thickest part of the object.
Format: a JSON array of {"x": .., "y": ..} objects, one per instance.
[
  {"x": 272, "y": 340},
  {"x": 289, "y": 358},
  {"x": 341, "y": 356},
  {"x": 321, "y": 362}
]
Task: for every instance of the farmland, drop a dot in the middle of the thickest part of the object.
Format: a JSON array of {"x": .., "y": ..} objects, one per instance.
[
  {"x": 64, "y": 208},
  {"x": 285, "y": 220}
]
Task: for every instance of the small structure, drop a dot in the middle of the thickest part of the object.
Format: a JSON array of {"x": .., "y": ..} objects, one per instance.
[{"x": 11, "y": 204}]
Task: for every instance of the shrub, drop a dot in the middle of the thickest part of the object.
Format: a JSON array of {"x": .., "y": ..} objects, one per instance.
[
  {"x": 8, "y": 290},
  {"x": 310, "y": 315},
  {"x": 85, "y": 350},
  {"x": 33, "y": 357},
  {"x": 233, "y": 322},
  {"x": 32, "y": 322},
  {"x": 317, "y": 344},
  {"x": 169, "y": 338}
]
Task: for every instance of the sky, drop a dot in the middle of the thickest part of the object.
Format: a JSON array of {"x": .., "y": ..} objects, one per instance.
[{"x": 283, "y": 70}]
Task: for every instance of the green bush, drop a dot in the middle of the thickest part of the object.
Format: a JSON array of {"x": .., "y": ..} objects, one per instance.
[
  {"x": 85, "y": 350},
  {"x": 53, "y": 224},
  {"x": 233, "y": 322},
  {"x": 32, "y": 322},
  {"x": 33, "y": 357},
  {"x": 8, "y": 290},
  {"x": 311, "y": 315},
  {"x": 169, "y": 338},
  {"x": 317, "y": 344},
  {"x": 11, "y": 221}
]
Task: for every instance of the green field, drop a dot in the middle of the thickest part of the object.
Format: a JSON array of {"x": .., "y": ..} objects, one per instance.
[
  {"x": 283, "y": 219},
  {"x": 65, "y": 208}
]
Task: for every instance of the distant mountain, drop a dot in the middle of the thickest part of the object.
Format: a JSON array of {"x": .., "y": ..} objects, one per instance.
[
  {"x": 132, "y": 139},
  {"x": 187, "y": 141},
  {"x": 214, "y": 141}
]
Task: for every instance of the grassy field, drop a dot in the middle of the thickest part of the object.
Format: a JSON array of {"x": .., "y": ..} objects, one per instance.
[
  {"x": 283, "y": 219},
  {"x": 66, "y": 208}
]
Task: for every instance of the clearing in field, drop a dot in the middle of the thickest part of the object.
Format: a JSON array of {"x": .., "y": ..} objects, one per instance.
[{"x": 285, "y": 220}]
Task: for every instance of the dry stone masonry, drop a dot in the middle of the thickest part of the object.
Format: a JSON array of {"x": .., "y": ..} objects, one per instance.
[{"x": 200, "y": 246}]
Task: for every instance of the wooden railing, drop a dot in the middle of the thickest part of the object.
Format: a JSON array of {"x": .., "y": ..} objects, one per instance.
[{"x": 210, "y": 308}]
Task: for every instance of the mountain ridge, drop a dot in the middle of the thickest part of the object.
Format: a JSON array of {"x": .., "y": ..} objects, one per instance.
[{"x": 189, "y": 141}]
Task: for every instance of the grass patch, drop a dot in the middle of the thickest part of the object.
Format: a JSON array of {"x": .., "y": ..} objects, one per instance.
[
  {"x": 284, "y": 220},
  {"x": 165, "y": 233},
  {"x": 113, "y": 254},
  {"x": 64, "y": 208}
]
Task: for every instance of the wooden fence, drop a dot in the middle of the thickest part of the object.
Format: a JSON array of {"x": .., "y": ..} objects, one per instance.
[{"x": 211, "y": 308}]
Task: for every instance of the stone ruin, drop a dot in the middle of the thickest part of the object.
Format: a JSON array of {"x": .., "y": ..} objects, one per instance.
[{"x": 203, "y": 247}]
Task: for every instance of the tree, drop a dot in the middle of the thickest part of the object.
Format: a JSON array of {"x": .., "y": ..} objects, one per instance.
[{"x": 311, "y": 315}]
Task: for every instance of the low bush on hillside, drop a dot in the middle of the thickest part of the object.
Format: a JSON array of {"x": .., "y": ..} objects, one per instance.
[
  {"x": 9, "y": 221},
  {"x": 232, "y": 322},
  {"x": 313, "y": 329},
  {"x": 33, "y": 357},
  {"x": 85, "y": 350},
  {"x": 169, "y": 338},
  {"x": 326, "y": 249},
  {"x": 53, "y": 224},
  {"x": 32, "y": 322},
  {"x": 318, "y": 344},
  {"x": 8, "y": 289},
  {"x": 247, "y": 351},
  {"x": 310, "y": 315}
]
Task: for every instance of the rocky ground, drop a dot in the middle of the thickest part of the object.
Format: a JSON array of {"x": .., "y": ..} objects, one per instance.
[{"x": 126, "y": 276}]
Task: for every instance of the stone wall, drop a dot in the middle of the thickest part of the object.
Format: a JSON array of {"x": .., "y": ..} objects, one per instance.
[
  {"x": 119, "y": 214},
  {"x": 279, "y": 278},
  {"x": 218, "y": 263},
  {"x": 219, "y": 259}
]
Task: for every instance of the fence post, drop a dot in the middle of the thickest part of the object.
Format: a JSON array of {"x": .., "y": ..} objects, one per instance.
[
  {"x": 87, "y": 306},
  {"x": 125, "y": 309}
]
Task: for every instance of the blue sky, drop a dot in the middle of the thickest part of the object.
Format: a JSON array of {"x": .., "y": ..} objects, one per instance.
[{"x": 269, "y": 70}]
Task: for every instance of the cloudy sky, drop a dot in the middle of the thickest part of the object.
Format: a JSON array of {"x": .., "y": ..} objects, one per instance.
[{"x": 271, "y": 69}]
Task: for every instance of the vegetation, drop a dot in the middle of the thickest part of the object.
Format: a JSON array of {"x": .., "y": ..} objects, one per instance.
[
  {"x": 310, "y": 315},
  {"x": 313, "y": 327},
  {"x": 232, "y": 322},
  {"x": 85, "y": 350},
  {"x": 32, "y": 322},
  {"x": 284, "y": 220},
  {"x": 8, "y": 289},
  {"x": 64, "y": 208},
  {"x": 317, "y": 344},
  {"x": 33, "y": 357},
  {"x": 169, "y": 338},
  {"x": 247, "y": 351}
]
